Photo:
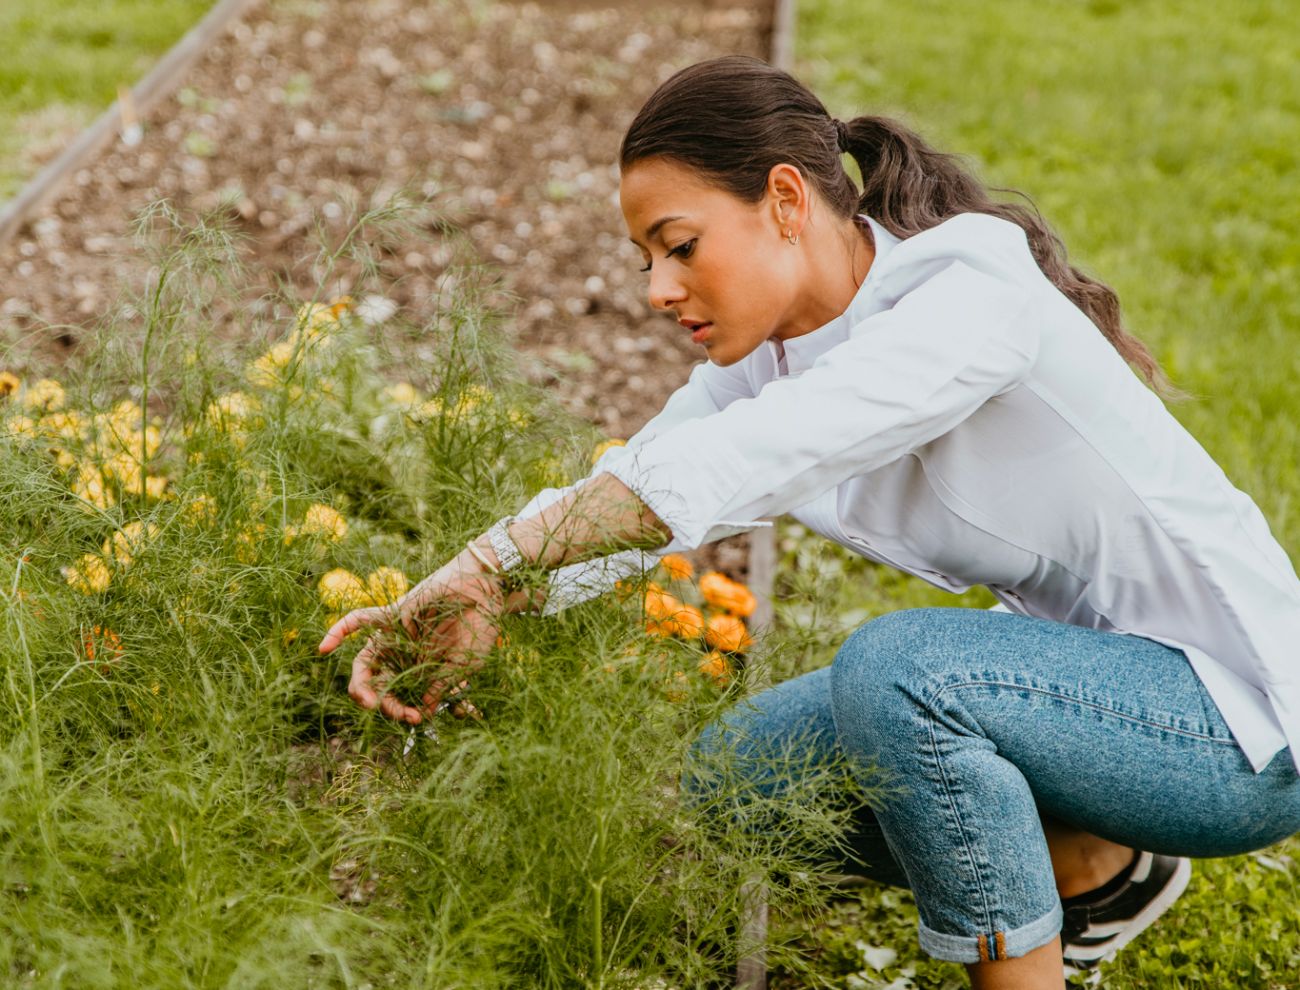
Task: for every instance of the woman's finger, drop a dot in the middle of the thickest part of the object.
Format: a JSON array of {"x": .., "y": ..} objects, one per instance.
[
  {"x": 391, "y": 706},
  {"x": 376, "y": 615},
  {"x": 363, "y": 670}
]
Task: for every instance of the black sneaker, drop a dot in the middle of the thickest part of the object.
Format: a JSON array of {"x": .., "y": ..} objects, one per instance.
[{"x": 1100, "y": 923}]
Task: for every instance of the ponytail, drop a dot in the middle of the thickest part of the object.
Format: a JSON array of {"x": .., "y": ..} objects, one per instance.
[
  {"x": 909, "y": 187},
  {"x": 732, "y": 119}
]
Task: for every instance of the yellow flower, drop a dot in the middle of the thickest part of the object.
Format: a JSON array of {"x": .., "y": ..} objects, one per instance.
[
  {"x": 386, "y": 585},
  {"x": 46, "y": 395},
  {"x": 64, "y": 458},
  {"x": 232, "y": 410},
  {"x": 428, "y": 409},
  {"x": 201, "y": 510},
  {"x": 123, "y": 545},
  {"x": 9, "y": 384},
  {"x": 468, "y": 401},
  {"x": 126, "y": 469},
  {"x": 677, "y": 567},
  {"x": 549, "y": 471},
  {"x": 246, "y": 543},
  {"x": 68, "y": 425},
  {"x": 152, "y": 440},
  {"x": 22, "y": 426},
  {"x": 289, "y": 637},
  {"x": 270, "y": 369},
  {"x": 402, "y": 394},
  {"x": 155, "y": 486},
  {"x": 89, "y": 575},
  {"x": 125, "y": 416},
  {"x": 324, "y": 521},
  {"x": 316, "y": 319},
  {"x": 90, "y": 487},
  {"x": 341, "y": 591},
  {"x": 607, "y": 445}
]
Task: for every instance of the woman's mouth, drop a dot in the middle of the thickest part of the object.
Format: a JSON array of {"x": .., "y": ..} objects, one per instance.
[{"x": 699, "y": 331}]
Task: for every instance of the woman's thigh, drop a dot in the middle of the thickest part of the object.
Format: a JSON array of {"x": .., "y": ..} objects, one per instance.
[{"x": 1112, "y": 733}]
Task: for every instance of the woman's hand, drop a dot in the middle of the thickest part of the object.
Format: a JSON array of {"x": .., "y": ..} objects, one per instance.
[{"x": 450, "y": 620}]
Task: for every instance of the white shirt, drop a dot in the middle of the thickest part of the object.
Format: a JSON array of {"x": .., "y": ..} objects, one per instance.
[{"x": 964, "y": 422}]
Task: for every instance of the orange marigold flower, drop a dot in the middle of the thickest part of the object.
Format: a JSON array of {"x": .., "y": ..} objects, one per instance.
[
  {"x": 730, "y": 596},
  {"x": 687, "y": 622},
  {"x": 102, "y": 643},
  {"x": 727, "y": 633},
  {"x": 658, "y": 627},
  {"x": 714, "y": 665},
  {"x": 677, "y": 567},
  {"x": 659, "y": 604}
]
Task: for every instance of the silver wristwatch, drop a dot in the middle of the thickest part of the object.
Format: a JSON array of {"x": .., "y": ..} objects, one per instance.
[{"x": 503, "y": 546}]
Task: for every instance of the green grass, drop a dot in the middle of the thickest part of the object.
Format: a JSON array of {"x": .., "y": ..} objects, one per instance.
[
  {"x": 1158, "y": 137},
  {"x": 64, "y": 60}
]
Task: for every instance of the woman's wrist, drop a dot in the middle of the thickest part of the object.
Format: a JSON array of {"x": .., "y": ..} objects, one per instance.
[{"x": 481, "y": 585}]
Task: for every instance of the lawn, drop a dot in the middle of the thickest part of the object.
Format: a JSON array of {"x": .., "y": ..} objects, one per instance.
[
  {"x": 1159, "y": 138},
  {"x": 64, "y": 60}
]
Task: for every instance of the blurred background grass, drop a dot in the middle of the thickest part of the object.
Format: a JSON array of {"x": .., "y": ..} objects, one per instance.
[{"x": 63, "y": 62}]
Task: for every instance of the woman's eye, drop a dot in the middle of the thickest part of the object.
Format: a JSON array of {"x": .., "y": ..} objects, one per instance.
[{"x": 683, "y": 249}]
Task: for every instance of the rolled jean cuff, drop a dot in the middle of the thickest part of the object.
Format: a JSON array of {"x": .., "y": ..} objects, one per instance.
[{"x": 994, "y": 945}]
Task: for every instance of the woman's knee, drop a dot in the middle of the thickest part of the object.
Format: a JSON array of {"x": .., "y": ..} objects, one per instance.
[{"x": 884, "y": 670}]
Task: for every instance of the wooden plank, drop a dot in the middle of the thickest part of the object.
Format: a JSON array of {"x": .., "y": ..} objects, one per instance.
[
  {"x": 751, "y": 967},
  {"x": 156, "y": 86}
]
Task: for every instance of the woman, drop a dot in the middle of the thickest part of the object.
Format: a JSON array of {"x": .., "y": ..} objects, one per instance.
[{"x": 915, "y": 372}]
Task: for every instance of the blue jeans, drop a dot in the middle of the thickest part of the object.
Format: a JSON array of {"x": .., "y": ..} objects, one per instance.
[{"x": 983, "y": 723}]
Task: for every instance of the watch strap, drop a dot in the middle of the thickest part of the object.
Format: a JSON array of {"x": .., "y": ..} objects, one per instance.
[{"x": 503, "y": 546}]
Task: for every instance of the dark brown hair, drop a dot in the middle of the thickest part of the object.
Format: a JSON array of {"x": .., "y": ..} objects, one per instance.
[{"x": 731, "y": 119}]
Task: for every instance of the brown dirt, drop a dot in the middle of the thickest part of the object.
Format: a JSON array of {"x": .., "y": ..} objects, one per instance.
[{"x": 506, "y": 115}]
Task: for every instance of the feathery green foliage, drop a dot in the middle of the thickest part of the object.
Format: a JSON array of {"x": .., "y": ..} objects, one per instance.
[{"x": 188, "y": 797}]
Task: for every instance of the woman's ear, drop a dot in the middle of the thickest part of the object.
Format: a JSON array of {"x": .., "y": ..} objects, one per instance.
[{"x": 788, "y": 197}]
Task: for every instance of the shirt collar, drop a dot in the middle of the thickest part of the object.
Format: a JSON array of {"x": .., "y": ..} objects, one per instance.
[{"x": 803, "y": 351}]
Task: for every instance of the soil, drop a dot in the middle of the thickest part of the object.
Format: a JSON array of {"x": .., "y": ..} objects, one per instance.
[{"x": 506, "y": 116}]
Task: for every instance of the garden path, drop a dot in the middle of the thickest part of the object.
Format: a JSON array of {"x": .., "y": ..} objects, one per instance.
[{"x": 507, "y": 115}]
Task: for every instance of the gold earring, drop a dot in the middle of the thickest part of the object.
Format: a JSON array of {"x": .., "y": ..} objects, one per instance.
[{"x": 792, "y": 238}]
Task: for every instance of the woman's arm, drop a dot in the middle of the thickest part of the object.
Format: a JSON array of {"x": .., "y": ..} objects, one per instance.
[{"x": 599, "y": 518}]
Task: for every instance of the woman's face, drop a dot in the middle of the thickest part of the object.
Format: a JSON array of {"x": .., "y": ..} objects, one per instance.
[{"x": 714, "y": 262}]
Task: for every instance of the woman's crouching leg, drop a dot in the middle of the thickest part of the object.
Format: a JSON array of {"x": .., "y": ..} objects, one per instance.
[
  {"x": 963, "y": 822},
  {"x": 773, "y": 757}
]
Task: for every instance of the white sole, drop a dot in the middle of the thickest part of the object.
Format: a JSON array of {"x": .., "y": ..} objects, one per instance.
[{"x": 1141, "y": 921}]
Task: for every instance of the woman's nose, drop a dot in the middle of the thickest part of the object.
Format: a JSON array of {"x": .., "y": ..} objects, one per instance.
[{"x": 665, "y": 290}]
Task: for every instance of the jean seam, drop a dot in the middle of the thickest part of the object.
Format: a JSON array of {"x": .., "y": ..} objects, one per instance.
[
  {"x": 1095, "y": 706},
  {"x": 961, "y": 828}
]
